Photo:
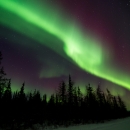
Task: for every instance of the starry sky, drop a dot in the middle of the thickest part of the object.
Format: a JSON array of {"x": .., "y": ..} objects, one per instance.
[{"x": 43, "y": 41}]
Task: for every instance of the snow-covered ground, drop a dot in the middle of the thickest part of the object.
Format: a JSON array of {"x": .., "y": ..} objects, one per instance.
[{"x": 119, "y": 124}]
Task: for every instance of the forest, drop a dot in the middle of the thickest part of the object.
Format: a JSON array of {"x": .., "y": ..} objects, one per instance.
[{"x": 67, "y": 106}]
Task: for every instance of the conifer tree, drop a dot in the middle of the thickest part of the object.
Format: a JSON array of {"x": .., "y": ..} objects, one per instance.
[
  {"x": 3, "y": 80},
  {"x": 8, "y": 93},
  {"x": 62, "y": 92},
  {"x": 90, "y": 95},
  {"x": 44, "y": 98},
  {"x": 122, "y": 107},
  {"x": 22, "y": 96},
  {"x": 99, "y": 95},
  {"x": 75, "y": 97},
  {"x": 70, "y": 91},
  {"x": 3, "y": 86},
  {"x": 79, "y": 96},
  {"x": 109, "y": 103}
]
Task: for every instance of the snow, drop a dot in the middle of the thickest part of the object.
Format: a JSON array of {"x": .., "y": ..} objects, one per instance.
[{"x": 119, "y": 124}]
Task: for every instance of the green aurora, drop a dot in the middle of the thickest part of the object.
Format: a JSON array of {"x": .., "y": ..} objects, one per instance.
[{"x": 85, "y": 50}]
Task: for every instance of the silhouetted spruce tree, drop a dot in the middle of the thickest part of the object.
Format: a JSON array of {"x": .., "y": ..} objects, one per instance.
[
  {"x": 56, "y": 99},
  {"x": 30, "y": 97},
  {"x": 62, "y": 92},
  {"x": 70, "y": 91},
  {"x": 75, "y": 97},
  {"x": 79, "y": 96},
  {"x": 34, "y": 107},
  {"x": 22, "y": 96},
  {"x": 15, "y": 105},
  {"x": 89, "y": 100},
  {"x": 44, "y": 99},
  {"x": 8, "y": 91},
  {"x": 109, "y": 104},
  {"x": 37, "y": 97},
  {"x": 29, "y": 110},
  {"x": 75, "y": 104},
  {"x": 22, "y": 104},
  {"x": 115, "y": 107},
  {"x": 44, "y": 107},
  {"x": 104, "y": 106},
  {"x": 44, "y": 102},
  {"x": 7, "y": 98},
  {"x": 3, "y": 80},
  {"x": 100, "y": 106},
  {"x": 3, "y": 86},
  {"x": 122, "y": 107},
  {"x": 51, "y": 108},
  {"x": 70, "y": 98},
  {"x": 80, "y": 103},
  {"x": 62, "y": 108},
  {"x": 37, "y": 105}
]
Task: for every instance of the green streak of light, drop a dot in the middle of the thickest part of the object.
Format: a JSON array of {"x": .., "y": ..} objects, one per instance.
[{"x": 85, "y": 51}]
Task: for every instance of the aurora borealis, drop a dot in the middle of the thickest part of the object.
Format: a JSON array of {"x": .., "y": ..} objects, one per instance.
[{"x": 42, "y": 42}]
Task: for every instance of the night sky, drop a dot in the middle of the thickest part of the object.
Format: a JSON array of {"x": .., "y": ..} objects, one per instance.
[{"x": 43, "y": 41}]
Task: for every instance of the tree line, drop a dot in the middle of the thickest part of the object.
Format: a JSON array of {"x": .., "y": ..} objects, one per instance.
[{"x": 68, "y": 105}]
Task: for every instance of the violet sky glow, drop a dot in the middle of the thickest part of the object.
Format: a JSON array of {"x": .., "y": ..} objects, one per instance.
[{"x": 43, "y": 42}]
